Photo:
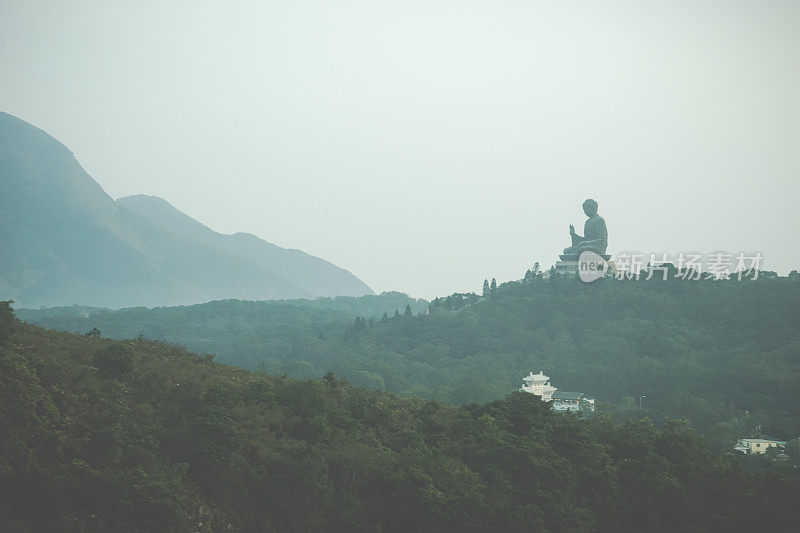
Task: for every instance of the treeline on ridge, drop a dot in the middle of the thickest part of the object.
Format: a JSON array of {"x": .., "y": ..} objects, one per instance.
[{"x": 721, "y": 353}]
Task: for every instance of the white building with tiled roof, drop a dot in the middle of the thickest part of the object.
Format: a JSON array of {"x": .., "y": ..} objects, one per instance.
[
  {"x": 572, "y": 401},
  {"x": 757, "y": 446},
  {"x": 539, "y": 384}
]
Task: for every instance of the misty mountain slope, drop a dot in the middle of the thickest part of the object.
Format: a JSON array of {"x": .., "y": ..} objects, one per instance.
[
  {"x": 315, "y": 275},
  {"x": 63, "y": 240},
  {"x": 61, "y": 236}
]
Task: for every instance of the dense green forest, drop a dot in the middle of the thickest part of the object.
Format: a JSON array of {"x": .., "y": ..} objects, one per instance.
[
  {"x": 724, "y": 354},
  {"x": 244, "y": 333},
  {"x": 98, "y": 435}
]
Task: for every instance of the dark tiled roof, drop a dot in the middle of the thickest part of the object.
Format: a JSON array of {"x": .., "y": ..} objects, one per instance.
[{"x": 563, "y": 395}]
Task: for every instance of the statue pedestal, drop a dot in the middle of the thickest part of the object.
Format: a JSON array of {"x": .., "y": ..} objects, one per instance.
[
  {"x": 567, "y": 269},
  {"x": 575, "y": 257},
  {"x": 568, "y": 266}
]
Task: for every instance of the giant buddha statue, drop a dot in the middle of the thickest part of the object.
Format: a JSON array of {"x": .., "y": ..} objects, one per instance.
[{"x": 595, "y": 235}]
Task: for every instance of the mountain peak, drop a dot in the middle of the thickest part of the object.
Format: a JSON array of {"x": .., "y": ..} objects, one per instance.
[{"x": 66, "y": 241}]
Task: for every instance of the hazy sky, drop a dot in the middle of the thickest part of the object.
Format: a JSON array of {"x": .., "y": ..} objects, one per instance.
[{"x": 428, "y": 145}]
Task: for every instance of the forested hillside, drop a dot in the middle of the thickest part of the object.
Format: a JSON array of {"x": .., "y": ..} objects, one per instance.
[
  {"x": 99, "y": 435},
  {"x": 248, "y": 334},
  {"x": 724, "y": 354}
]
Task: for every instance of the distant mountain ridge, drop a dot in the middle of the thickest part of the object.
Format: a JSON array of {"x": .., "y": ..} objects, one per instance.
[
  {"x": 64, "y": 241},
  {"x": 314, "y": 275},
  {"x": 241, "y": 332}
]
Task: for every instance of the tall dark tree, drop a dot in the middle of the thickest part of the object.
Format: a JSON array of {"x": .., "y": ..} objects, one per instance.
[
  {"x": 493, "y": 287},
  {"x": 6, "y": 320},
  {"x": 485, "y": 288},
  {"x": 408, "y": 311},
  {"x": 385, "y": 317}
]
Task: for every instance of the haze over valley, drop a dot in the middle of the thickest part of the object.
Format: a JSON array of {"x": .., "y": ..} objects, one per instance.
[{"x": 399, "y": 267}]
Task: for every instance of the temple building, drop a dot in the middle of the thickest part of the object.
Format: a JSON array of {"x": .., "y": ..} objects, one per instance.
[
  {"x": 539, "y": 384},
  {"x": 572, "y": 401}
]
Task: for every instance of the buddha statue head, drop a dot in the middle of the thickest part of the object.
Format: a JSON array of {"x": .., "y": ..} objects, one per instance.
[{"x": 590, "y": 207}]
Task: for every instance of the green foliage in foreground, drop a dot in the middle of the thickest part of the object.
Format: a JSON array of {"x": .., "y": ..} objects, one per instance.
[{"x": 159, "y": 439}]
